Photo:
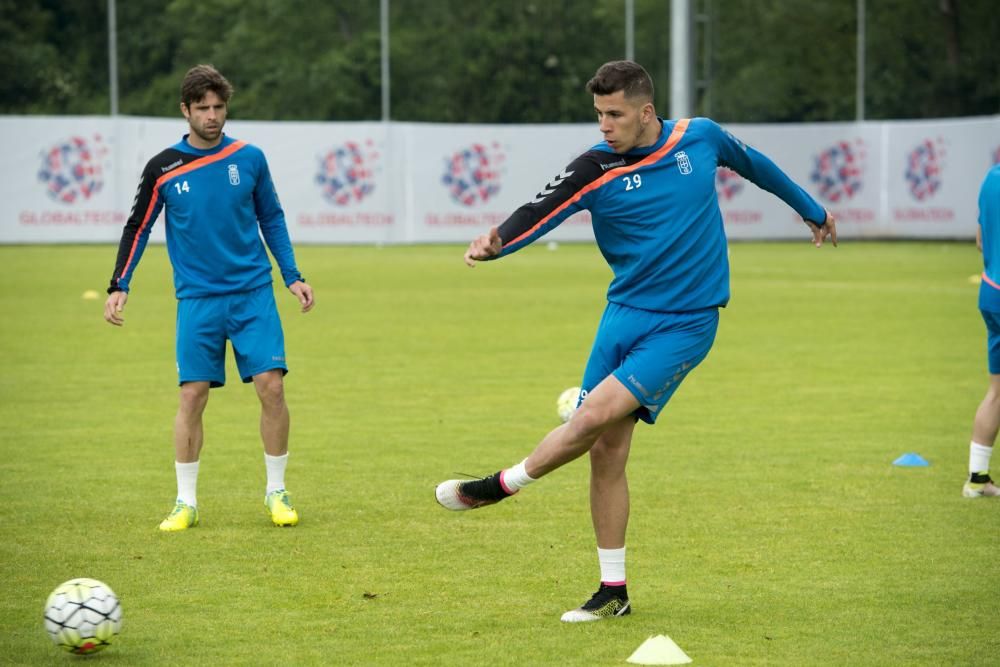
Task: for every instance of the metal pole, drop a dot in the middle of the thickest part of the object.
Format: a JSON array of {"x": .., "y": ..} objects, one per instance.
[
  {"x": 707, "y": 56},
  {"x": 859, "y": 93},
  {"x": 630, "y": 30},
  {"x": 701, "y": 98},
  {"x": 680, "y": 58},
  {"x": 384, "y": 25},
  {"x": 113, "y": 56}
]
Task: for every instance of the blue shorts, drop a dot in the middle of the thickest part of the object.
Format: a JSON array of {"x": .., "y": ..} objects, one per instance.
[
  {"x": 248, "y": 319},
  {"x": 649, "y": 352},
  {"x": 992, "y": 320}
]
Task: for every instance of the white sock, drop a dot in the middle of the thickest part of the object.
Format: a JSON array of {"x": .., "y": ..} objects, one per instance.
[
  {"x": 979, "y": 457},
  {"x": 515, "y": 478},
  {"x": 187, "y": 482},
  {"x": 275, "y": 471},
  {"x": 612, "y": 566}
]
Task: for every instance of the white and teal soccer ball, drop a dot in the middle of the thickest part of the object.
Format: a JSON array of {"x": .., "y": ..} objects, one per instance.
[
  {"x": 83, "y": 616},
  {"x": 566, "y": 403}
]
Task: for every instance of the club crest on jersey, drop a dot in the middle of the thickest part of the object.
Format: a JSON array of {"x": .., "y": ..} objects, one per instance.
[
  {"x": 684, "y": 163},
  {"x": 234, "y": 175}
]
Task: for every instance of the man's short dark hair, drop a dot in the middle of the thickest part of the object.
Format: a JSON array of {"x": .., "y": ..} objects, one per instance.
[
  {"x": 622, "y": 75},
  {"x": 201, "y": 79}
]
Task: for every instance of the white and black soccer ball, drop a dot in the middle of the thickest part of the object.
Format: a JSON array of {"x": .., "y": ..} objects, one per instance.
[
  {"x": 566, "y": 403},
  {"x": 83, "y": 616}
]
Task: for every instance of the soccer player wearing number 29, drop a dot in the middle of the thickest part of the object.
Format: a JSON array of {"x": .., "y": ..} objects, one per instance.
[
  {"x": 219, "y": 201},
  {"x": 650, "y": 189}
]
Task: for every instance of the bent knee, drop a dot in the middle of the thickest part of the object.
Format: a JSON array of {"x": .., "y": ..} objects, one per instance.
[{"x": 588, "y": 423}]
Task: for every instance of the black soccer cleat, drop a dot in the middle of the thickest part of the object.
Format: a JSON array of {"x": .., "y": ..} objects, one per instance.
[{"x": 458, "y": 495}]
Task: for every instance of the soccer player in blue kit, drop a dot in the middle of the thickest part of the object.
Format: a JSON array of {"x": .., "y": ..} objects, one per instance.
[
  {"x": 987, "y": 421},
  {"x": 219, "y": 201},
  {"x": 650, "y": 189}
]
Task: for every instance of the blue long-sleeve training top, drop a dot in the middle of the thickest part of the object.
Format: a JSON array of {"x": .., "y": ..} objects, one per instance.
[
  {"x": 989, "y": 225},
  {"x": 656, "y": 214},
  {"x": 219, "y": 202}
]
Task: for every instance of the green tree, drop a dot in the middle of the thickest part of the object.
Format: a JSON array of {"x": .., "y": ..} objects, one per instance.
[
  {"x": 519, "y": 61},
  {"x": 795, "y": 60},
  {"x": 292, "y": 60},
  {"x": 782, "y": 61},
  {"x": 933, "y": 58},
  {"x": 53, "y": 57}
]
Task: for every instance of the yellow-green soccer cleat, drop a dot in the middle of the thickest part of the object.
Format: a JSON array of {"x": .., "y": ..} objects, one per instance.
[
  {"x": 181, "y": 517},
  {"x": 980, "y": 486},
  {"x": 279, "y": 506},
  {"x": 607, "y": 602}
]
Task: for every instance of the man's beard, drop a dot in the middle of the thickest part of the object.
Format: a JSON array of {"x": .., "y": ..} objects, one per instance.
[{"x": 204, "y": 137}]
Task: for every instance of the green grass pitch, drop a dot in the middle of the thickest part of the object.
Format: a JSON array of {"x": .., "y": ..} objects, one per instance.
[{"x": 768, "y": 524}]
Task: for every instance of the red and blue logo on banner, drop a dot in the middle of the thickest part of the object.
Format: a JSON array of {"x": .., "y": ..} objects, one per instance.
[
  {"x": 346, "y": 173},
  {"x": 728, "y": 183},
  {"x": 923, "y": 169},
  {"x": 472, "y": 175},
  {"x": 838, "y": 172},
  {"x": 71, "y": 170}
]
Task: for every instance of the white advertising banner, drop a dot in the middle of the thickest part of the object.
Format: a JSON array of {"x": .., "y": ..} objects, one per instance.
[
  {"x": 463, "y": 179},
  {"x": 73, "y": 179},
  {"x": 59, "y": 181},
  {"x": 933, "y": 176},
  {"x": 335, "y": 180},
  {"x": 836, "y": 163}
]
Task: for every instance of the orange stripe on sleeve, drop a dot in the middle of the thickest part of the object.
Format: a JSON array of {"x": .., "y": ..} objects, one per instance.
[
  {"x": 201, "y": 162},
  {"x": 142, "y": 227},
  {"x": 675, "y": 136},
  {"x": 189, "y": 167}
]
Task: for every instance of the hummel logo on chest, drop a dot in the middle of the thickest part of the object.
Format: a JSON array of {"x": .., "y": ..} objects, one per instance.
[{"x": 171, "y": 166}]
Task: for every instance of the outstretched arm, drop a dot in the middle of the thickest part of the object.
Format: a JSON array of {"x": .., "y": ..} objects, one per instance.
[
  {"x": 827, "y": 230},
  {"x": 756, "y": 167},
  {"x": 563, "y": 196},
  {"x": 483, "y": 247}
]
